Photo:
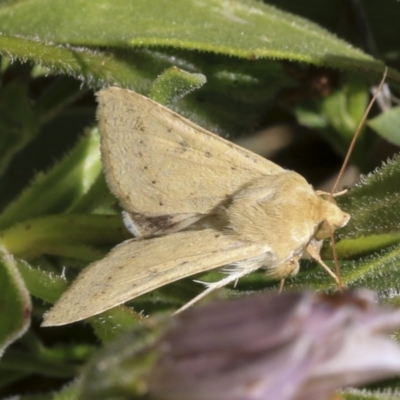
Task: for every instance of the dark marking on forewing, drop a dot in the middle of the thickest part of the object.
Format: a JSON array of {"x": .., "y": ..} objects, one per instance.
[
  {"x": 183, "y": 147},
  {"x": 139, "y": 124},
  {"x": 149, "y": 226}
]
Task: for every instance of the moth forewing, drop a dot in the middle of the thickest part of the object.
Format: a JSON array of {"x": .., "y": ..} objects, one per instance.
[
  {"x": 162, "y": 167},
  {"x": 138, "y": 266}
]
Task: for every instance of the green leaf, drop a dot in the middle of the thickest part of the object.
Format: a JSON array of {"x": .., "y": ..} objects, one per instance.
[
  {"x": 236, "y": 94},
  {"x": 35, "y": 364},
  {"x": 112, "y": 323},
  {"x": 18, "y": 125},
  {"x": 173, "y": 84},
  {"x": 94, "y": 68},
  {"x": 41, "y": 284},
  {"x": 387, "y": 125},
  {"x": 364, "y": 394},
  {"x": 15, "y": 303},
  {"x": 345, "y": 108},
  {"x": 70, "y": 392},
  {"x": 97, "y": 195},
  {"x": 373, "y": 204},
  {"x": 246, "y": 28},
  {"x": 377, "y": 271},
  {"x": 62, "y": 92},
  {"x": 125, "y": 365},
  {"x": 264, "y": 32},
  {"x": 68, "y": 235},
  {"x": 58, "y": 189},
  {"x": 337, "y": 117},
  {"x": 10, "y": 377}
]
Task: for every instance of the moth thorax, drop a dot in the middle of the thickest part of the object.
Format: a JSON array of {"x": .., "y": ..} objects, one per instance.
[{"x": 331, "y": 217}]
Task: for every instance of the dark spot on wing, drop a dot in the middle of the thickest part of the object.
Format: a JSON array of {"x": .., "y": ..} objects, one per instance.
[
  {"x": 139, "y": 124},
  {"x": 150, "y": 226},
  {"x": 127, "y": 197},
  {"x": 208, "y": 154},
  {"x": 183, "y": 147}
]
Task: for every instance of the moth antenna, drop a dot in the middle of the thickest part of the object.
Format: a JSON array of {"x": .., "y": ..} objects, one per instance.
[
  {"x": 335, "y": 258},
  {"x": 358, "y": 130}
]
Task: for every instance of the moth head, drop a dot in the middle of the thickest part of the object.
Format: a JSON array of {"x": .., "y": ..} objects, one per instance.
[{"x": 331, "y": 217}]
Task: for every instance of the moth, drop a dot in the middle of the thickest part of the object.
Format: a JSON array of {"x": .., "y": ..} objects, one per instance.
[{"x": 194, "y": 202}]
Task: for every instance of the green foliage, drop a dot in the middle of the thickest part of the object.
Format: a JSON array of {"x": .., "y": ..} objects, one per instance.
[
  {"x": 384, "y": 124},
  {"x": 229, "y": 66},
  {"x": 15, "y": 302},
  {"x": 354, "y": 394},
  {"x": 175, "y": 83}
]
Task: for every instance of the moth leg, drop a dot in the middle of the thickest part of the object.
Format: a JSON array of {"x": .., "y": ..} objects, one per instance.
[
  {"x": 281, "y": 285},
  {"x": 288, "y": 268},
  {"x": 232, "y": 277},
  {"x": 313, "y": 251}
]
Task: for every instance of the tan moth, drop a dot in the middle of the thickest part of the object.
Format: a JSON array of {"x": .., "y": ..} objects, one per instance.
[{"x": 194, "y": 202}]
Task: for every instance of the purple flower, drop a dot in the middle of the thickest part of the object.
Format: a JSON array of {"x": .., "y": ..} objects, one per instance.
[{"x": 293, "y": 346}]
